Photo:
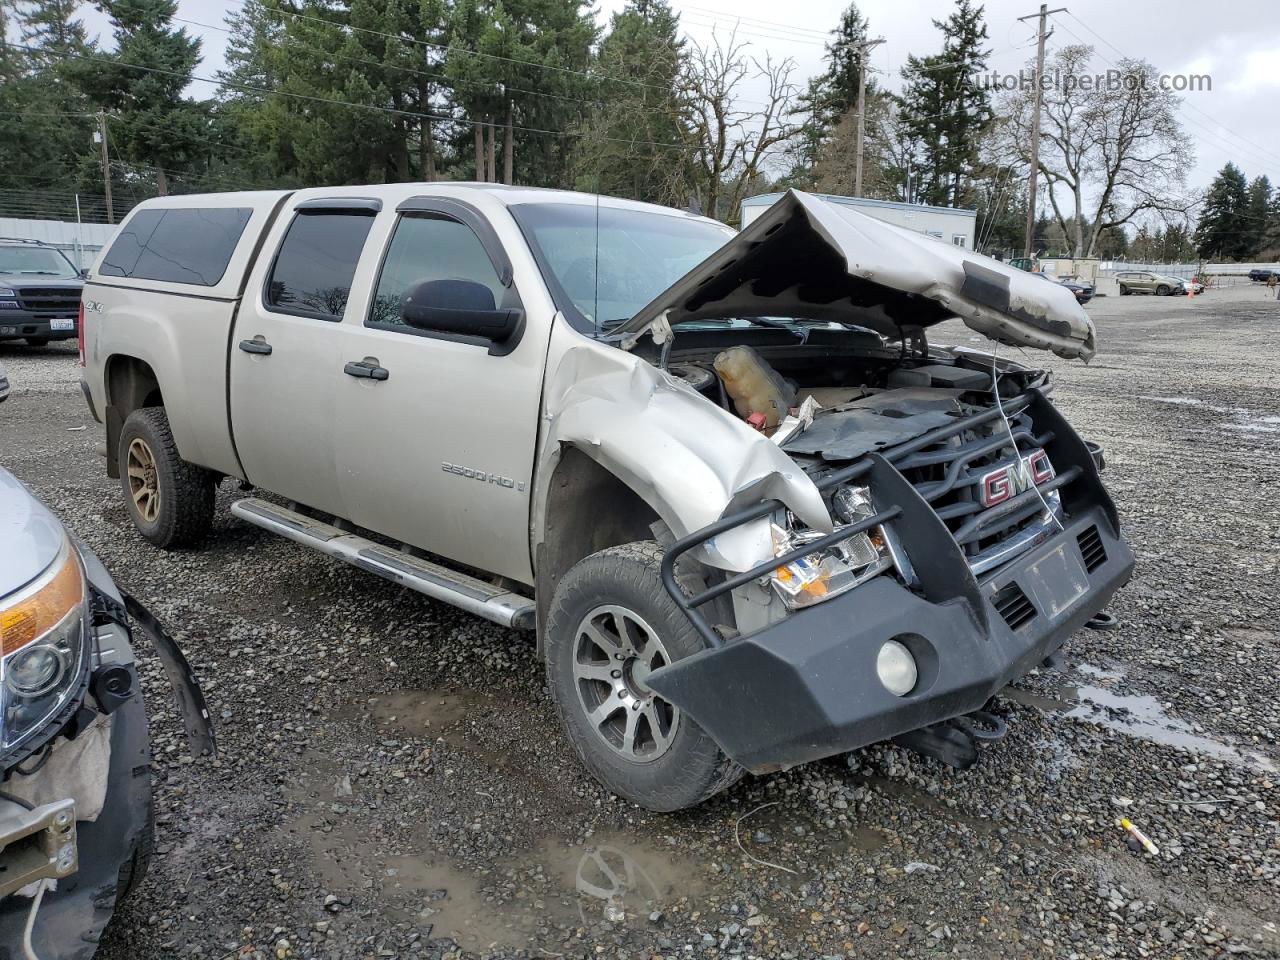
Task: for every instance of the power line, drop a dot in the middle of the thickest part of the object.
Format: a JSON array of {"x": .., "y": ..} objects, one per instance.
[
  {"x": 1264, "y": 156},
  {"x": 448, "y": 48},
  {"x": 358, "y": 106}
]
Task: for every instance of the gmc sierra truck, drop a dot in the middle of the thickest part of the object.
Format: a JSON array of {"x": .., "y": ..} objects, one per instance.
[{"x": 751, "y": 515}]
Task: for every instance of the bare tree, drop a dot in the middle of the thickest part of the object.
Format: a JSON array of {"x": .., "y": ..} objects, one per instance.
[
  {"x": 1108, "y": 151},
  {"x": 730, "y": 141}
]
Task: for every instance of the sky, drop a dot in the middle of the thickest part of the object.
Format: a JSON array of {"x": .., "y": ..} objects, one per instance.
[{"x": 1234, "y": 121}]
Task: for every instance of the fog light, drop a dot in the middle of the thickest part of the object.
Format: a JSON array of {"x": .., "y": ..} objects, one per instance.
[{"x": 896, "y": 668}]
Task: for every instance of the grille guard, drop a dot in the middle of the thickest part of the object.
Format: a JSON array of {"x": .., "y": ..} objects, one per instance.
[{"x": 935, "y": 553}]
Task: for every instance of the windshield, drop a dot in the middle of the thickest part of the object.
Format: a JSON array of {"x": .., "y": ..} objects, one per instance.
[
  {"x": 36, "y": 261},
  {"x": 639, "y": 253}
]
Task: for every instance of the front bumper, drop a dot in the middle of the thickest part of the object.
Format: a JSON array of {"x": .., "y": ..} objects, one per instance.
[
  {"x": 15, "y": 324},
  {"x": 806, "y": 687}
]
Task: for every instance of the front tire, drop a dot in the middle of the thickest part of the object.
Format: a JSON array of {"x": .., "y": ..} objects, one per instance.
[
  {"x": 1124, "y": 291},
  {"x": 609, "y": 625},
  {"x": 1162, "y": 290},
  {"x": 169, "y": 500}
]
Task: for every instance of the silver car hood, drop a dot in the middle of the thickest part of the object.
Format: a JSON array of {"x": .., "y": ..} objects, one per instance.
[
  {"x": 30, "y": 536},
  {"x": 809, "y": 258}
]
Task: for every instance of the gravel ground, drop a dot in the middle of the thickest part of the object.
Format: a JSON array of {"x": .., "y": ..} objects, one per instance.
[{"x": 392, "y": 783}]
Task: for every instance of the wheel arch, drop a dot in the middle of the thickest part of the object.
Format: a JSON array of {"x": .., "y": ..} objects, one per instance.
[
  {"x": 131, "y": 384},
  {"x": 586, "y": 508}
]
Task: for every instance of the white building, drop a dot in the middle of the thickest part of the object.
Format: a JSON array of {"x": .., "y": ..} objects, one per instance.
[{"x": 948, "y": 224}]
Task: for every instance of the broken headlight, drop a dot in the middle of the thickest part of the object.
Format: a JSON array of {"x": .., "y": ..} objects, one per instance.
[
  {"x": 42, "y": 648},
  {"x": 829, "y": 571}
]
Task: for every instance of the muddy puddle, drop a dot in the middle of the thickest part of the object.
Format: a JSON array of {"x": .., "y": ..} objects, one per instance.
[
  {"x": 1242, "y": 419},
  {"x": 1133, "y": 714},
  {"x": 458, "y": 718},
  {"x": 508, "y": 905}
]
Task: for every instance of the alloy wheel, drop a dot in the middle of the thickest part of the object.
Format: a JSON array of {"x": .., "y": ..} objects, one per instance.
[
  {"x": 614, "y": 651},
  {"x": 144, "y": 482}
]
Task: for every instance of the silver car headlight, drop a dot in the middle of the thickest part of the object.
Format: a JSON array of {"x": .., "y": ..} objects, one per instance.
[
  {"x": 42, "y": 647},
  {"x": 833, "y": 570}
]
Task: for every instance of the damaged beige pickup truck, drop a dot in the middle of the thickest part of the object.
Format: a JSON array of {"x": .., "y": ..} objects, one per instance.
[{"x": 754, "y": 518}]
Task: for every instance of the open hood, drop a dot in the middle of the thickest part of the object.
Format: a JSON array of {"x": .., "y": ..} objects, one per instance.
[{"x": 808, "y": 258}]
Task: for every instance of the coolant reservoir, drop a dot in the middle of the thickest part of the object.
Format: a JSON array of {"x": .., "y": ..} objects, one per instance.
[{"x": 754, "y": 386}]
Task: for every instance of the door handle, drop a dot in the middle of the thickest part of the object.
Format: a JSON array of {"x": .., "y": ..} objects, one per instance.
[
  {"x": 366, "y": 370},
  {"x": 256, "y": 345}
]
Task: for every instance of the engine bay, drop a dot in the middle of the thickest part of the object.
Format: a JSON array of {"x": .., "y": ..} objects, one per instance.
[{"x": 849, "y": 404}]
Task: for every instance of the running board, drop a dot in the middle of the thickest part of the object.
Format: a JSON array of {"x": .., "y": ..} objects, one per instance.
[{"x": 436, "y": 581}]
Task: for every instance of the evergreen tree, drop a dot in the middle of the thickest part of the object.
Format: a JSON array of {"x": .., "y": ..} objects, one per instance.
[
  {"x": 1223, "y": 231},
  {"x": 45, "y": 138},
  {"x": 1258, "y": 213},
  {"x": 945, "y": 110},
  {"x": 830, "y": 95},
  {"x": 618, "y": 153},
  {"x": 154, "y": 126}
]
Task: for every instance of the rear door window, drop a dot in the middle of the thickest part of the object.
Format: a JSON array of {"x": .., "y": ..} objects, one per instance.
[
  {"x": 179, "y": 245},
  {"x": 312, "y": 273},
  {"x": 428, "y": 246}
]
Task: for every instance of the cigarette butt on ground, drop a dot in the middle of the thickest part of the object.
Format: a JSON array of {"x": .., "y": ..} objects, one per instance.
[{"x": 1138, "y": 835}]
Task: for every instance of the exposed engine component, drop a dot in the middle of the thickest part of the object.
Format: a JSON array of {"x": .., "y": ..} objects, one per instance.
[{"x": 754, "y": 386}]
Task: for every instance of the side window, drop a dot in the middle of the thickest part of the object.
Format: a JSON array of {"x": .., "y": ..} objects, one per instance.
[
  {"x": 177, "y": 245},
  {"x": 427, "y": 246},
  {"x": 312, "y": 273}
]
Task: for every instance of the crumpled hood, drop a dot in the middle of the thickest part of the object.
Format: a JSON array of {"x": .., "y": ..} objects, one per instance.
[{"x": 808, "y": 258}]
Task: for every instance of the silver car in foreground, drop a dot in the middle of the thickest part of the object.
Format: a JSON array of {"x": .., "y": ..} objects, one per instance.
[{"x": 76, "y": 820}]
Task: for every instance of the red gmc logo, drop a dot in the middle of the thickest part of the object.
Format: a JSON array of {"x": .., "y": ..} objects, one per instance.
[{"x": 1007, "y": 482}]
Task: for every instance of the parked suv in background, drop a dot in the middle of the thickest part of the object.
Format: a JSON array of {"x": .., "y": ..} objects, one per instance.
[
  {"x": 39, "y": 292},
  {"x": 1144, "y": 281},
  {"x": 1263, "y": 274},
  {"x": 753, "y": 516}
]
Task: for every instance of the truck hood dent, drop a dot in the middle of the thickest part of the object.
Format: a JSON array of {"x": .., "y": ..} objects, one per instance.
[
  {"x": 808, "y": 258},
  {"x": 685, "y": 457}
]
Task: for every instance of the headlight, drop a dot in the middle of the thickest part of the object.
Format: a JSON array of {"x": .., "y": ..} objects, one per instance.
[
  {"x": 834, "y": 570},
  {"x": 42, "y": 640},
  {"x": 8, "y": 292}
]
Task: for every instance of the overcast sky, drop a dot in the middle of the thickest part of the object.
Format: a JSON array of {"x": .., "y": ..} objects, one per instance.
[{"x": 1240, "y": 50}]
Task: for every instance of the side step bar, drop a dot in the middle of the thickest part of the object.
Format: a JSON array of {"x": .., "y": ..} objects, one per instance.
[{"x": 436, "y": 581}]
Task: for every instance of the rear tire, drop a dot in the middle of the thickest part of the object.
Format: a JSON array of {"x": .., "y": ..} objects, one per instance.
[
  {"x": 37, "y": 341},
  {"x": 610, "y": 610},
  {"x": 169, "y": 500}
]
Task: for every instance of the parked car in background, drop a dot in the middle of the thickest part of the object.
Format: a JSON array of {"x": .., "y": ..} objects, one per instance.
[
  {"x": 76, "y": 819},
  {"x": 1144, "y": 281},
  {"x": 39, "y": 292},
  {"x": 1263, "y": 274},
  {"x": 754, "y": 518},
  {"x": 1083, "y": 292}
]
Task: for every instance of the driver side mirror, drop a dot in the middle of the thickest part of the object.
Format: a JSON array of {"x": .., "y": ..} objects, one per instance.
[{"x": 459, "y": 307}]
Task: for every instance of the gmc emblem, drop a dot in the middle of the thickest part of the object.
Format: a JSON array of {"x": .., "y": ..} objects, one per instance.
[{"x": 1008, "y": 481}]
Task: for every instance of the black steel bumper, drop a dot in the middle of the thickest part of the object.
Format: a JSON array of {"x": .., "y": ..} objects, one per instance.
[{"x": 807, "y": 687}]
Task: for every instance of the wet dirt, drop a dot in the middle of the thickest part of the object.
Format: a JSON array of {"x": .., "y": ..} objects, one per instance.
[{"x": 1132, "y": 714}]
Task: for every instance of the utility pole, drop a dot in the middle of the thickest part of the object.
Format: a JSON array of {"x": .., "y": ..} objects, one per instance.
[
  {"x": 106, "y": 165},
  {"x": 1035, "y": 121},
  {"x": 862, "y": 106}
]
